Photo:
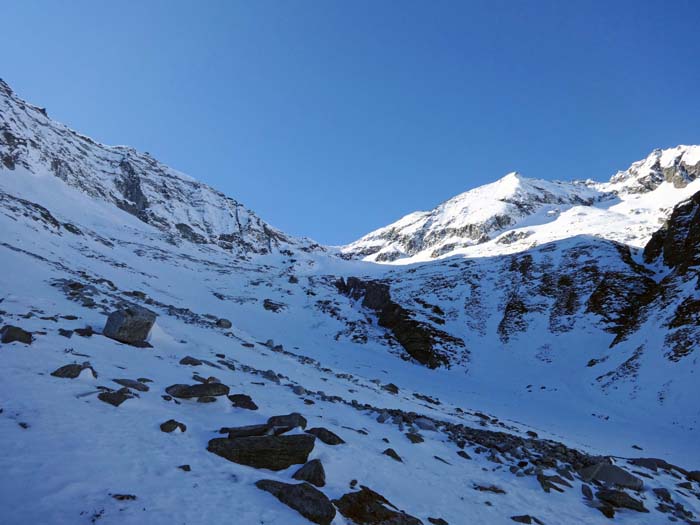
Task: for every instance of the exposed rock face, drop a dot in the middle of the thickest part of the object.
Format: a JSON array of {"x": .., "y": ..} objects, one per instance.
[
  {"x": 305, "y": 499},
  {"x": 367, "y": 507},
  {"x": 10, "y": 334},
  {"x": 419, "y": 339},
  {"x": 271, "y": 452},
  {"x": 130, "y": 325}
]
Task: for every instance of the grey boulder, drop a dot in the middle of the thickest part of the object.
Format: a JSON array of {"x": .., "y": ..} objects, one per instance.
[
  {"x": 130, "y": 325},
  {"x": 270, "y": 452},
  {"x": 305, "y": 499}
]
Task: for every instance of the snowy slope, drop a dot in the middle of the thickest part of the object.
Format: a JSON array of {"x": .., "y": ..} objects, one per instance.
[{"x": 530, "y": 387}]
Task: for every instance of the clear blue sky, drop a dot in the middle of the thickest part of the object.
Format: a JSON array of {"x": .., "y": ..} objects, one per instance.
[{"x": 332, "y": 118}]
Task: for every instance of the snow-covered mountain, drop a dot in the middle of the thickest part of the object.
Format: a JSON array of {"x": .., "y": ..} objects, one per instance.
[
  {"x": 526, "y": 366},
  {"x": 526, "y": 212}
]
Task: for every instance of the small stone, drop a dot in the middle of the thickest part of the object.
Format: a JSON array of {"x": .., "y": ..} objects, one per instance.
[
  {"x": 115, "y": 398},
  {"x": 171, "y": 425},
  {"x": 186, "y": 468},
  {"x": 189, "y": 360},
  {"x": 425, "y": 424},
  {"x": 415, "y": 438},
  {"x": 72, "y": 371},
  {"x": 292, "y": 420},
  {"x": 10, "y": 334},
  {"x": 201, "y": 390},
  {"x": 130, "y": 383},
  {"x": 391, "y": 388},
  {"x": 224, "y": 323},
  {"x": 392, "y": 454}
]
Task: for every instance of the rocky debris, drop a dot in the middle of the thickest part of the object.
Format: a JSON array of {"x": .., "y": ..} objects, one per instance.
[
  {"x": 131, "y": 383},
  {"x": 201, "y": 390},
  {"x": 437, "y": 521},
  {"x": 65, "y": 333},
  {"x": 415, "y": 438},
  {"x": 270, "y": 452},
  {"x": 392, "y": 454},
  {"x": 74, "y": 370},
  {"x": 425, "y": 424},
  {"x": 85, "y": 332},
  {"x": 271, "y": 375},
  {"x": 273, "y": 306},
  {"x": 604, "y": 472},
  {"x": 312, "y": 472},
  {"x": 171, "y": 425},
  {"x": 305, "y": 499},
  {"x": 115, "y": 398},
  {"x": 586, "y": 491},
  {"x": 493, "y": 489},
  {"x": 123, "y": 497},
  {"x": 10, "y": 334},
  {"x": 421, "y": 340},
  {"x": 391, "y": 388},
  {"x": 243, "y": 401},
  {"x": 192, "y": 361},
  {"x": 619, "y": 498},
  {"x": 463, "y": 454},
  {"x": 186, "y": 468},
  {"x": 325, "y": 435},
  {"x": 526, "y": 518},
  {"x": 366, "y": 507},
  {"x": 224, "y": 323},
  {"x": 292, "y": 420},
  {"x": 130, "y": 325}
]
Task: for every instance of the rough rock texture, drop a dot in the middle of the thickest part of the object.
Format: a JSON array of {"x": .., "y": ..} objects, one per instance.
[
  {"x": 305, "y": 499},
  {"x": 366, "y": 507},
  {"x": 10, "y": 334},
  {"x": 271, "y": 452},
  {"x": 606, "y": 473},
  {"x": 199, "y": 390},
  {"x": 72, "y": 371},
  {"x": 325, "y": 435},
  {"x": 130, "y": 325},
  {"x": 313, "y": 472}
]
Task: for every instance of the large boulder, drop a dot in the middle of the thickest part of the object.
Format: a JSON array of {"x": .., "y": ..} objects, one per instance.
[
  {"x": 73, "y": 371},
  {"x": 198, "y": 390},
  {"x": 305, "y": 499},
  {"x": 325, "y": 435},
  {"x": 367, "y": 507},
  {"x": 313, "y": 472},
  {"x": 270, "y": 452},
  {"x": 611, "y": 474},
  {"x": 10, "y": 334},
  {"x": 130, "y": 325},
  {"x": 293, "y": 420},
  {"x": 618, "y": 498}
]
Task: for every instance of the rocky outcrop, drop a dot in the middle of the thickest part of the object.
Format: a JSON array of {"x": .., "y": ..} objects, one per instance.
[{"x": 422, "y": 341}]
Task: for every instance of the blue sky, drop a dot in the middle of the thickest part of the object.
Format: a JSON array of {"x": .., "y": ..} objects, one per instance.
[{"x": 330, "y": 119}]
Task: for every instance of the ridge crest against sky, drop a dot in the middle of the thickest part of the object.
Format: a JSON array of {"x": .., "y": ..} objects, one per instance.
[{"x": 364, "y": 111}]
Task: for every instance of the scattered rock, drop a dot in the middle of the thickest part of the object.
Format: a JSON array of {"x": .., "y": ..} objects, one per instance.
[
  {"x": 85, "y": 332},
  {"x": 131, "y": 383},
  {"x": 292, "y": 420},
  {"x": 392, "y": 454},
  {"x": 243, "y": 401},
  {"x": 200, "y": 390},
  {"x": 130, "y": 325},
  {"x": 463, "y": 454},
  {"x": 525, "y": 518},
  {"x": 325, "y": 435},
  {"x": 437, "y": 521},
  {"x": 618, "y": 498},
  {"x": 607, "y": 473},
  {"x": 189, "y": 360},
  {"x": 223, "y": 323},
  {"x": 124, "y": 497},
  {"x": 415, "y": 438},
  {"x": 587, "y": 492},
  {"x": 312, "y": 472},
  {"x": 186, "y": 468},
  {"x": 171, "y": 425},
  {"x": 10, "y": 334},
  {"x": 391, "y": 388},
  {"x": 65, "y": 333},
  {"x": 425, "y": 424},
  {"x": 305, "y": 499},
  {"x": 72, "y": 371},
  {"x": 271, "y": 452},
  {"x": 271, "y": 375},
  {"x": 366, "y": 507},
  {"x": 115, "y": 398}
]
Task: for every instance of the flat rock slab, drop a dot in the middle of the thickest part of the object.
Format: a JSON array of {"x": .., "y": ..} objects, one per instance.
[
  {"x": 366, "y": 507},
  {"x": 305, "y": 499},
  {"x": 270, "y": 452},
  {"x": 200, "y": 390},
  {"x": 607, "y": 473}
]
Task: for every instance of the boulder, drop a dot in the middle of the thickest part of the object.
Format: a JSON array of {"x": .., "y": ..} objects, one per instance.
[
  {"x": 130, "y": 325},
  {"x": 243, "y": 401},
  {"x": 72, "y": 371},
  {"x": 392, "y": 454},
  {"x": 293, "y": 420},
  {"x": 425, "y": 424},
  {"x": 223, "y": 323},
  {"x": 10, "y": 334},
  {"x": 246, "y": 431},
  {"x": 189, "y": 360},
  {"x": 305, "y": 499},
  {"x": 199, "y": 390},
  {"x": 115, "y": 398},
  {"x": 325, "y": 435},
  {"x": 366, "y": 507},
  {"x": 171, "y": 425},
  {"x": 618, "y": 498},
  {"x": 313, "y": 472},
  {"x": 270, "y": 452},
  {"x": 606, "y": 473}
]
